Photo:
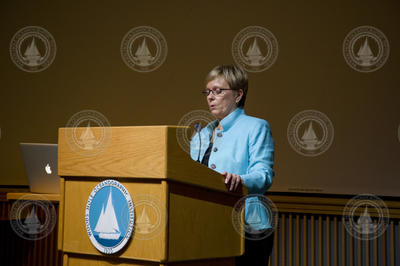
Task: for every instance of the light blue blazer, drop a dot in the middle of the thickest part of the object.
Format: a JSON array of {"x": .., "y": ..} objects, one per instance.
[{"x": 245, "y": 147}]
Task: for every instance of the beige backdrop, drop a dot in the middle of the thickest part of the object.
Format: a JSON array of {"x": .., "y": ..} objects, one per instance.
[{"x": 310, "y": 73}]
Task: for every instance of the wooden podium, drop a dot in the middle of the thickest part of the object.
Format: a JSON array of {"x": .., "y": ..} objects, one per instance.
[{"x": 147, "y": 160}]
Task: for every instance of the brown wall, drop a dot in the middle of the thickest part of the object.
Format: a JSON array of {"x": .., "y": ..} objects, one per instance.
[{"x": 310, "y": 73}]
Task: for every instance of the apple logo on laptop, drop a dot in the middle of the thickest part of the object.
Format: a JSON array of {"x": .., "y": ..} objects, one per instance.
[{"x": 48, "y": 169}]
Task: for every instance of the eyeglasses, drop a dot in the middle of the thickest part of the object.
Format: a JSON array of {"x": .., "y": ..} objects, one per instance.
[{"x": 216, "y": 91}]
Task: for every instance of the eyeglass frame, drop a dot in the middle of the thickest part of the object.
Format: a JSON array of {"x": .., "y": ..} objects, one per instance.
[{"x": 206, "y": 91}]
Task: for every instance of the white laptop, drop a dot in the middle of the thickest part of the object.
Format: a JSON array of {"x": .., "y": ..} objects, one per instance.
[{"x": 40, "y": 161}]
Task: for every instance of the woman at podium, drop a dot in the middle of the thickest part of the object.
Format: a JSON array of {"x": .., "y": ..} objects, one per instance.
[{"x": 241, "y": 148}]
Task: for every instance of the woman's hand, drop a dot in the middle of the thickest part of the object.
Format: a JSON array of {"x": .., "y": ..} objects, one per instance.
[{"x": 232, "y": 181}]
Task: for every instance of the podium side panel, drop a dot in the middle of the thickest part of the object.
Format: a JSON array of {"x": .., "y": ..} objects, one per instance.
[
  {"x": 76, "y": 239},
  {"x": 181, "y": 167},
  {"x": 200, "y": 224}
]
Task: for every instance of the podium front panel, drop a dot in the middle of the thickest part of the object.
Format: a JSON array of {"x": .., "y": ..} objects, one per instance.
[{"x": 75, "y": 237}]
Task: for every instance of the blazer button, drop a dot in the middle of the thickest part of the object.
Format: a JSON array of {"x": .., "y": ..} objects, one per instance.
[
  {"x": 215, "y": 149},
  {"x": 213, "y": 166},
  {"x": 219, "y": 134}
]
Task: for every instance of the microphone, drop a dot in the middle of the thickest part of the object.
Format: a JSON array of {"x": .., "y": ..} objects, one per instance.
[{"x": 198, "y": 127}]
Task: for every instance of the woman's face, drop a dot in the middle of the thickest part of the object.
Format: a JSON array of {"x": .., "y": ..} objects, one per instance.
[{"x": 223, "y": 104}]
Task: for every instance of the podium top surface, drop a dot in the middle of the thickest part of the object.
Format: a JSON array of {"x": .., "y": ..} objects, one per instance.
[{"x": 150, "y": 152}]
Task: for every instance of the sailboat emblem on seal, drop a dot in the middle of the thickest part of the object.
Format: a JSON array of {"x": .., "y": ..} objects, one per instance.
[{"x": 107, "y": 224}]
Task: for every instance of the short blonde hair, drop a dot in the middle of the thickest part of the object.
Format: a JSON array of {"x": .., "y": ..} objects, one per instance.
[{"x": 235, "y": 76}]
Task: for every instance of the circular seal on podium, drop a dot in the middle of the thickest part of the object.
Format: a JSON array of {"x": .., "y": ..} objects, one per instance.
[{"x": 109, "y": 216}]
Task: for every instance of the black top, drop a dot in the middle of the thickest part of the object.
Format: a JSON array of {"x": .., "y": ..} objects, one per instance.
[{"x": 206, "y": 156}]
